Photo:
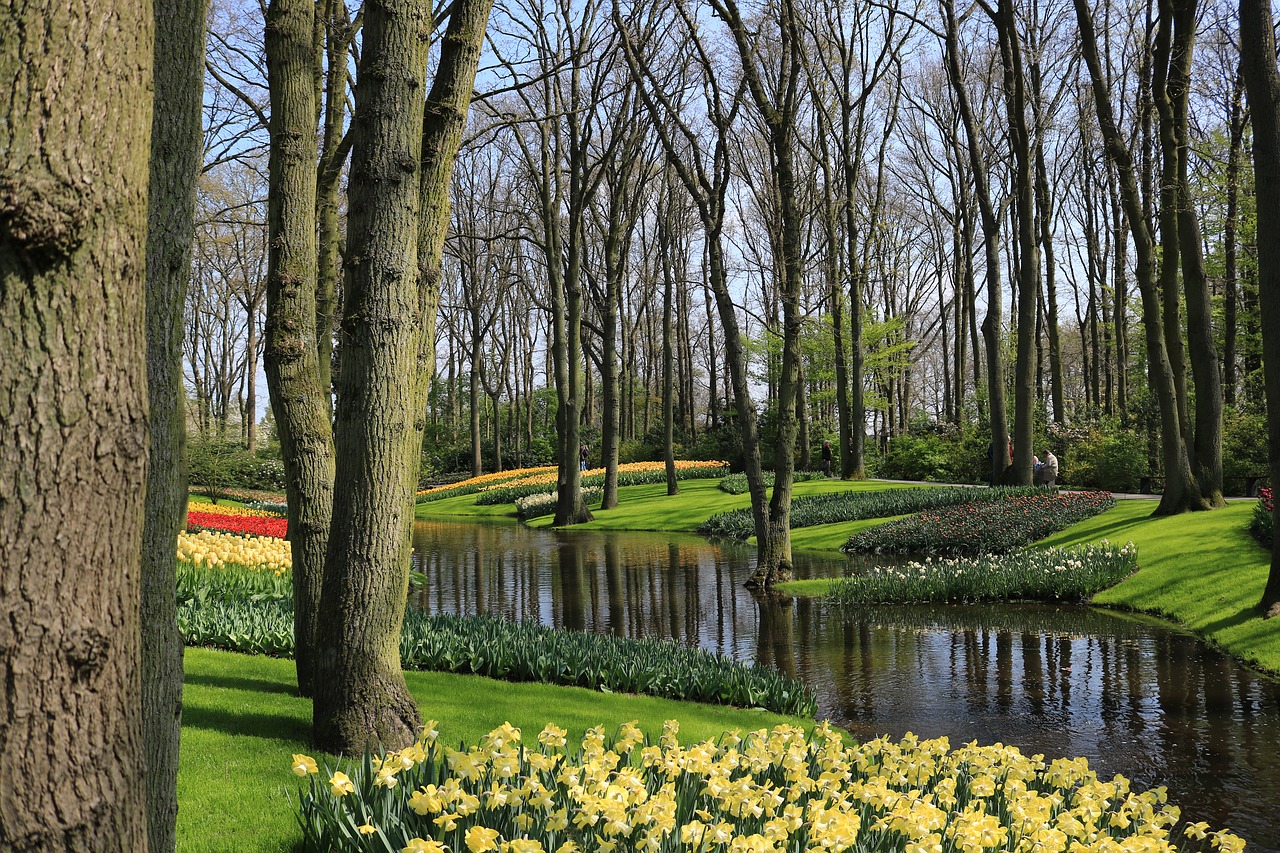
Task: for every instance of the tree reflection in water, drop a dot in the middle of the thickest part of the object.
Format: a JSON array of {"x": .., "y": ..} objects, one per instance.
[{"x": 1130, "y": 694}]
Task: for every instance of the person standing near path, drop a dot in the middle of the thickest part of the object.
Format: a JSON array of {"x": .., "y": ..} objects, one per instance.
[
  {"x": 1049, "y": 469},
  {"x": 582, "y": 457},
  {"x": 826, "y": 458}
]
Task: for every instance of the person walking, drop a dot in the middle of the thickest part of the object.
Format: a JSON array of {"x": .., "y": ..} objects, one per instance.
[
  {"x": 1048, "y": 469},
  {"x": 582, "y": 456},
  {"x": 826, "y": 458}
]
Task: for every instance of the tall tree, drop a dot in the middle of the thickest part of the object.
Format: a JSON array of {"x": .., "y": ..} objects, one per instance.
[
  {"x": 1262, "y": 81},
  {"x": 395, "y": 239},
  {"x": 75, "y": 125},
  {"x": 992, "y": 323},
  {"x": 361, "y": 698},
  {"x": 298, "y": 400},
  {"x": 1181, "y": 491},
  {"x": 175, "y": 163}
]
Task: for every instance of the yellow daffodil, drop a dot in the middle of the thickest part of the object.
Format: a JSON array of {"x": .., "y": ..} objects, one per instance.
[
  {"x": 481, "y": 838},
  {"x": 304, "y": 765},
  {"x": 340, "y": 785}
]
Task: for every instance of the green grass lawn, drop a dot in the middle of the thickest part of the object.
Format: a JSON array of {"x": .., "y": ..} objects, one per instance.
[
  {"x": 650, "y": 508},
  {"x": 241, "y": 722}
]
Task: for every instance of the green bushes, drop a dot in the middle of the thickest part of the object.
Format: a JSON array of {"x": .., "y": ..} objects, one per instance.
[
  {"x": 1104, "y": 457},
  {"x": 1054, "y": 574},
  {"x": 810, "y": 510},
  {"x": 222, "y": 464},
  {"x": 982, "y": 527},
  {"x": 254, "y": 615}
]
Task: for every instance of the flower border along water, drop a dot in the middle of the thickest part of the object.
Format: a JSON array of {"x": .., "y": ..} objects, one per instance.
[
  {"x": 778, "y": 791},
  {"x": 629, "y": 474}
]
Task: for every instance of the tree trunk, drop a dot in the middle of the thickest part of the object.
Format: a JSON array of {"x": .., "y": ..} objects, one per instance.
[
  {"x": 1028, "y": 262},
  {"x": 1230, "y": 300},
  {"x": 1262, "y": 81},
  {"x": 1181, "y": 489},
  {"x": 991, "y": 331},
  {"x": 175, "y": 163},
  {"x": 75, "y": 124},
  {"x": 299, "y": 402},
  {"x": 334, "y": 147},
  {"x": 668, "y": 356},
  {"x": 1202, "y": 349},
  {"x": 361, "y": 699}
]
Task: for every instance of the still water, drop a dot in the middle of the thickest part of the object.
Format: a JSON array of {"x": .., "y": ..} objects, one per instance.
[{"x": 1131, "y": 695}]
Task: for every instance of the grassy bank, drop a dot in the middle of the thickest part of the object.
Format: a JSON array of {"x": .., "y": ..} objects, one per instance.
[
  {"x": 242, "y": 722},
  {"x": 650, "y": 508},
  {"x": 1202, "y": 570}
]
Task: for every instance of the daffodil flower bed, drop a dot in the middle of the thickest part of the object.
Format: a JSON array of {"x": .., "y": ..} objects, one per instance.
[
  {"x": 1054, "y": 574},
  {"x": 474, "y": 484},
  {"x": 767, "y": 792},
  {"x": 227, "y": 509},
  {"x": 629, "y": 474},
  {"x": 982, "y": 527},
  {"x": 532, "y": 506}
]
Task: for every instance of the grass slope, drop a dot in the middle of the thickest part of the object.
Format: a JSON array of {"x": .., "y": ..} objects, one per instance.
[
  {"x": 1202, "y": 570},
  {"x": 650, "y": 508},
  {"x": 241, "y": 722}
]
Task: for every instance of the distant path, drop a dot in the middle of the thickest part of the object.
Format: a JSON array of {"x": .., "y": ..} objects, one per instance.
[{"x": 1120, "y": 496}]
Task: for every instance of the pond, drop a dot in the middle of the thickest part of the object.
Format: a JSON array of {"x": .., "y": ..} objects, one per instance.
[{"x": 1130, "y": 694}]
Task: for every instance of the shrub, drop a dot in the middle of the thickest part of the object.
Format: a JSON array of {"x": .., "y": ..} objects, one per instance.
[
  {"x": 834, "y": 507},
  {"x": 221, "y": 465},
  {"x": 1263, "y": 520},
  {"x": 1104, "y": 457},
  {"x": 1055, "y": 574},
  {"x": 772, "y": 790},
  {"x": 982, "y": 527},
  {"x": 1244, "y": 449}
]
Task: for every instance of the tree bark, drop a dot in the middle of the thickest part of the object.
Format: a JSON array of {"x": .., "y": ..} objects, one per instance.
[
  {"x": 361, "y": 699},
  {"x": 75, "y": 125},
  {"x": 1181, "y": 492},
  {"x": 175, "y": 162},
  {"x": 1262, "y": 81},
  {"x": 991, "y": 323},
  {"x": 298, "y": 400}
]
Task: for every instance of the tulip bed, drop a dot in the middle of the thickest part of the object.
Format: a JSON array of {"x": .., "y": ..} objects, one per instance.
[
  {"x": 772, "y": 790},
  {"x": 835, "y": 507},
  {"x": 982, "y": 527},
  {"x": 474, "y": 484},
  {"x": 629, "y": 474},
  {"x": 244, "y": 521},
  {"x": 1054, "y": 574},
  {"x": 736, "y": 484}
]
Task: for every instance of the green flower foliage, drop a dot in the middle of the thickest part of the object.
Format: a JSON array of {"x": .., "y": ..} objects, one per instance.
[
  {"x": 810, "y": 510},
  {"x": 1054, "y": 574},
  {"x": 982, "y": 527},
  {"x": 253, "y": 613}
]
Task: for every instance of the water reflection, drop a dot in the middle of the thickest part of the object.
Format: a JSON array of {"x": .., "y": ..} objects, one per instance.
[{"x": 1131, "y": 695}]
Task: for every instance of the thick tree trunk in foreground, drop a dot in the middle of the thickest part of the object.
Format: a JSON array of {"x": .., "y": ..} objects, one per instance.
[
  {"x": 175, "y": 163},
  {"x": 75, "y": 124},
  {"x": 298, "y": 400},
  {"x": 361, "y": 699},
  {"x": 1262, "y": 80}
]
